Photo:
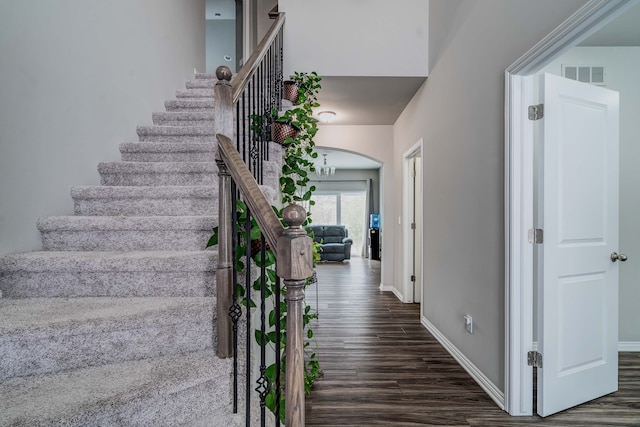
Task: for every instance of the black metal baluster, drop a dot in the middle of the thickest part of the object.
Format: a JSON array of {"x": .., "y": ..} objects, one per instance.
[
  {"x": 244, "y": 123},
  {"x": 258, "y": 141},
  {"x": 235, "y": 311},
  {"x": 278, "y": 350},
  {"x": 239, "y": 118},
  {"x": 252, "y": 147},
  {"x": 247, "y": 229},
  {"x": 267, "y": 103},
  {"x": 263, "y": 382},
  {"x": 280, "y": 78}
]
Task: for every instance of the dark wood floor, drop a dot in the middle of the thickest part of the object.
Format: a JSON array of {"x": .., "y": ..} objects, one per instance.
[{"x": 382, "y": 367}]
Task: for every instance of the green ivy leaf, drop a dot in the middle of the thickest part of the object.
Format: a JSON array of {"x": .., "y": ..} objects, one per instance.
[
  {"x": 255, "y": 233},
  {"x": 213, "y": 240}
]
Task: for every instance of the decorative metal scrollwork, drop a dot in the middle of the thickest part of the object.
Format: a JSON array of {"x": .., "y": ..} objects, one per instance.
[
  {"x": 263, "y": 387},
  {"x": 235, "y": 312}
]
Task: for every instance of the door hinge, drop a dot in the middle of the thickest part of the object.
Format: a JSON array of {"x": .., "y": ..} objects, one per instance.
[
  {"x": 536, "y": 112},
  {"x": 413, "y": 225},
  {"x": 536, "y": 236},
  {"x": 413, "y": 278},
  {"x": 534, "y": 359}
]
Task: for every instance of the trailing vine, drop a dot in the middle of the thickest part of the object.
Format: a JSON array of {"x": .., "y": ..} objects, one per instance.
[{"x": 294, "y": 186}]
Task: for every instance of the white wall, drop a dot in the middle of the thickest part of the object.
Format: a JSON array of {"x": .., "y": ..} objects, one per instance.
[
  {"x": 76, "y": 77},
  {"x": 459, "y": 113},
  {"x": 356, "y": 37},
  {"x": 375, "y": 142},
  {"x": 622, "y": 65}
]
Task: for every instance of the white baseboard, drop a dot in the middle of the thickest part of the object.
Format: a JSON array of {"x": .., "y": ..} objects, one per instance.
[
  {"x": 629, "y": 346},
  {"x": 487, "y": 385},
  {"x": 397, "y": 294},
  {"x": 386, "y": 288},
  {"x": 393, "y": 290}
]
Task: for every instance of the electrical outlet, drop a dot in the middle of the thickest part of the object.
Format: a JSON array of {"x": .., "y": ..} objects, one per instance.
[{"x": 468, "y": 323}]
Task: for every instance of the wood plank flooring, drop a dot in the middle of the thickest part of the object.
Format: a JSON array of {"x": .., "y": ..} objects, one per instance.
[{"x": 382, "y": 367}]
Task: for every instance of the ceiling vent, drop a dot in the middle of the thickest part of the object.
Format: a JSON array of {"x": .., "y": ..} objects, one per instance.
[{"x": 581, "y": 73}]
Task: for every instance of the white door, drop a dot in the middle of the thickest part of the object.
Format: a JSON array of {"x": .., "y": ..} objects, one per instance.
[
  {"x": 578, "y": 299},
  {"x": 417, "y": 230}
]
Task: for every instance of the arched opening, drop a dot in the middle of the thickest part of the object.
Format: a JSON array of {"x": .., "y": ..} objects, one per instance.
[{"x": 347, "y": 193}]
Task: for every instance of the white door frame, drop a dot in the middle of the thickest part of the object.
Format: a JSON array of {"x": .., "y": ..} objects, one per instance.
[
  {"x": 518, "y": 387},
  {"x": 406, "y": 288}
]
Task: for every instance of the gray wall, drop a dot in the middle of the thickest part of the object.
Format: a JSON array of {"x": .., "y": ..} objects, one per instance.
[
  {"x": 76, "y": 77},
  {"x": 263, "y": 22},
  {"x": 459, "y": 112},
  {"x": 221, "y": 41}
]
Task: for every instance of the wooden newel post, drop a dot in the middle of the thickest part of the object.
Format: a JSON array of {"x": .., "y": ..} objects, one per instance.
[
  {"x": 294, "y": 266},
  {"x": 224, "y": 275}
]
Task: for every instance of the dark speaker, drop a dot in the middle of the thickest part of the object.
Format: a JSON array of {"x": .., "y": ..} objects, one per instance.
[{"x": 374, "y": 243}]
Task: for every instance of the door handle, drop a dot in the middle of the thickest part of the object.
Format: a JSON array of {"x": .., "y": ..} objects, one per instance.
[{"x": 615, "y": 257}]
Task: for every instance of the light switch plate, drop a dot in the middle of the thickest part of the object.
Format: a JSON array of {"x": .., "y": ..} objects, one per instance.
[{"x": 468, "y": 323}]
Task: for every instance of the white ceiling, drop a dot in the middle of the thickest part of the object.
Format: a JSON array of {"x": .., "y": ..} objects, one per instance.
[{"x": 367, "y": 100}]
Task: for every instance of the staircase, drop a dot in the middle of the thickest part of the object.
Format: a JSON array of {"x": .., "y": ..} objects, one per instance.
[{"x": 113, "y": 323}]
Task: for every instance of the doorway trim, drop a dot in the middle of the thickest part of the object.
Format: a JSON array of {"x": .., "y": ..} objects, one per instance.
[
  {"x": 519, "y": 93},
  {"x": 406, "y": 290}
]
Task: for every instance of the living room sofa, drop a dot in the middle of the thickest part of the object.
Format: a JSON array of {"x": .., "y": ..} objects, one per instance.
[{"x": 334, "y": 241}]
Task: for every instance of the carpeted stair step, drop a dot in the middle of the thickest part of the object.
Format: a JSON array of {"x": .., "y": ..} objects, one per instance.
[
  {"x": 186, "y": 104},
  {"x": 176, "y": 133},
  {"x": 168, "y": 152},
  {"x": 145, "y": 200},
  {"x": 205, "y": 76},
  {"x": 108, "y": 274},
  {"x": 45, "y": 335},
  {"x": 158, "y": 173},
  {"x": 271, "y": 172},
  {"x": 194, "y": 93},
  {"x": 119, "y": 233},
  {"x": 183, "y": 118},
  {"x": 201, "y": 83},
  {"x": 159, "y": 392}
]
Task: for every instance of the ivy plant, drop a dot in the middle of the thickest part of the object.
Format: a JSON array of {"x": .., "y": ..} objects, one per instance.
[{"x": 294, "y": 186}]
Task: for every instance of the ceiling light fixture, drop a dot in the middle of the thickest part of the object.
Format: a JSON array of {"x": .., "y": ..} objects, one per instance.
[
  {"x": 326, "y": 116},
  {"x": 325, "y": 170}
]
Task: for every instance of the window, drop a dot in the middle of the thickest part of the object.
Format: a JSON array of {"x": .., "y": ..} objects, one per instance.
[{"x": 343, "y": 208}]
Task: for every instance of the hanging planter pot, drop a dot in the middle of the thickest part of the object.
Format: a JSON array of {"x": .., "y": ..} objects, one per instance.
[
  {"x": 281, "y": 131},
  {"x": 290, "y": 90},
  {"x": 256, "y": 246}
]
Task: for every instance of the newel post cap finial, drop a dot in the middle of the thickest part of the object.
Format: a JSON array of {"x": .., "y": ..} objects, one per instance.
[
  {"x": 224, "y": 73},
  {"x": 294, "y": 215}
]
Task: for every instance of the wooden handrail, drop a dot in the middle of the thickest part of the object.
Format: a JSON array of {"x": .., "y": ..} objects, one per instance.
[
  {"x": 247, "y": 71},
  {"x": 254, "y": 198}
]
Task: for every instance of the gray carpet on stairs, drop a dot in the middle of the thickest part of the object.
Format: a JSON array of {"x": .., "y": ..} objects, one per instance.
[
  {"x": 108, "y": 274},
  {"x": 113, "y": 323},
  {"x": 167, "y": 391},
  {"x": 43, "y": 335}
]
